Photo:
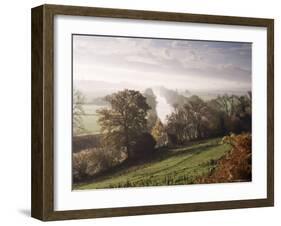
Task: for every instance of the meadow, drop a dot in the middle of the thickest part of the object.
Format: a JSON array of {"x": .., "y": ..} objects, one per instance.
[{"x": 90, "y": 119}]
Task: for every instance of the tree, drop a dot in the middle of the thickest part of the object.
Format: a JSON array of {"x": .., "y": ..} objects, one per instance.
[
  {"x": 78, "y": 111},
  {"x": 179, "y": 124},
  {"x": 244, "y": 112},
  {"x": 234, "y": 112},
  {"x": 190, "y": 121},
  {"x": 125, "y": 120},
  {"x": 199, "y": 116},
  {"x": 159, "y": 133}
]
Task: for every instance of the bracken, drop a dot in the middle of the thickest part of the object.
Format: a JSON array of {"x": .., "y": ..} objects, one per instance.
[{"x": 236, "y": 166}]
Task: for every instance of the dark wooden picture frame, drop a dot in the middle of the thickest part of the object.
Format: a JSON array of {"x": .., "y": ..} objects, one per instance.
[{"x": 42, "y": 203}]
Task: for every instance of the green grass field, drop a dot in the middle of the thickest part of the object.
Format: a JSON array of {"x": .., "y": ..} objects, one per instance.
[
  {"x": 90, "y": 123},
  {"x": 90, "y": 120},
  {"x": 170, "y": 167}
]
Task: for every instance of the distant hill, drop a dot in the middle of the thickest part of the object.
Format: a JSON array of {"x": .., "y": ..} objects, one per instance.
[{"x": 94, "y": 89}]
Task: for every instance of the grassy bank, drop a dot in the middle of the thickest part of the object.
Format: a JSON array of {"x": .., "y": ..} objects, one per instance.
[{"x": 170, "y": 167}]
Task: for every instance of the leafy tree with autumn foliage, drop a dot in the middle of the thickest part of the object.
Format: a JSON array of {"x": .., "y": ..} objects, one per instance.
[
  {"x": 158, "y": 130},
  {"x": 125, "y": 120},
  {"x": 159, "y": 133}
]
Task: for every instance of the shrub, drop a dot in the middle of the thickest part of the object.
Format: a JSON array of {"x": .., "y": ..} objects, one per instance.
[
  {"x": 91, "y": 162},
  {"x": 234, "y": 166},
  {"x": 80, "y": 163}
]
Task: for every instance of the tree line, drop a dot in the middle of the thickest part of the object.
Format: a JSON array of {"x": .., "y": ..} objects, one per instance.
[
  {"x": 196, "y": 119},
  {"x": 131, "y": 130},
  {"x": 131, "y": 120}
]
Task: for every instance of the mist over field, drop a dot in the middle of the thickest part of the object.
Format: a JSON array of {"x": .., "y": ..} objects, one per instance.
[{"x": 101, "y": 89}]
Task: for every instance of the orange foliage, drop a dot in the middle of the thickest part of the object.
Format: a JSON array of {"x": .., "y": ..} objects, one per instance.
[{"x": 234, "y": 166}]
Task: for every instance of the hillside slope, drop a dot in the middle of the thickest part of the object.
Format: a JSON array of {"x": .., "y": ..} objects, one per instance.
[{"x": 171, "y": 167}]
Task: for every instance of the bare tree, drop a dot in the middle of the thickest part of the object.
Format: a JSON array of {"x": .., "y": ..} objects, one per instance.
[{"x": 78, "y": 112}]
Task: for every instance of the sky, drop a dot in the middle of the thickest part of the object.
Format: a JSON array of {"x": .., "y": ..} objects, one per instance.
[{"x": 174, "y": 64}]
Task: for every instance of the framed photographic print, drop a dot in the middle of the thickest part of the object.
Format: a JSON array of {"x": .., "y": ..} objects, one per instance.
[{"x": 141, "y": 112}]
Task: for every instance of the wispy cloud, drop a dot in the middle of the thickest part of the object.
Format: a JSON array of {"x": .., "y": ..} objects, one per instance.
[{"x": 176, "y": 63}]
